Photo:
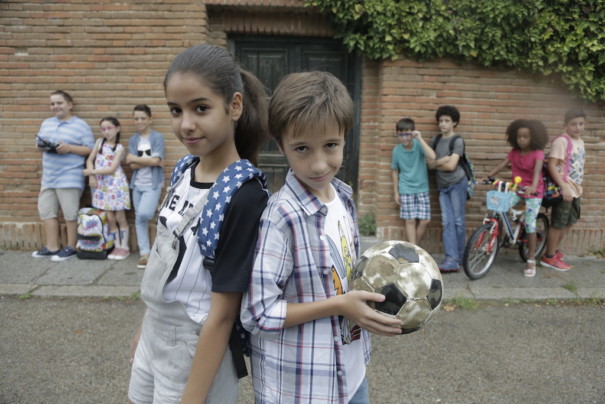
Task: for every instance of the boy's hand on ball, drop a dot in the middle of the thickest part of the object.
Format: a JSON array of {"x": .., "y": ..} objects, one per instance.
[{"x": 355, "y": 308}]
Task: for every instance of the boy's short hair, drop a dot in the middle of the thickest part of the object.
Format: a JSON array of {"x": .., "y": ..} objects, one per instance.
[
  {"x": 448, "y": 110},
  {"x": 63, "y": 94},
  {"x": 142, "y": 108},
  {"x": 574, "y": 113},
  {"x": 405, "y": 124},
  {"x": 309, "y": 100}
]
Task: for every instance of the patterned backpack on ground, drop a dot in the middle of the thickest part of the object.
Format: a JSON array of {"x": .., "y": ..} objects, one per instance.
[
  {"x": 464, "y": 162},
  {"x": 93, "y": 240},
  {"x": 219, "y": 196}
]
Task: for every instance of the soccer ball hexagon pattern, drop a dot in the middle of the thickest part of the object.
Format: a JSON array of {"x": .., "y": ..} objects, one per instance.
[{"x": 409, "y": 278}]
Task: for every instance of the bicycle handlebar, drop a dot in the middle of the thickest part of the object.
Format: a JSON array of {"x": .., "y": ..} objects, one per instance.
[{"x": 509, "y": 185}]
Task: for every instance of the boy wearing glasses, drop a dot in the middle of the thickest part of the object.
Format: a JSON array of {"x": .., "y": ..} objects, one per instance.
[{"x": 410, "y": 179}]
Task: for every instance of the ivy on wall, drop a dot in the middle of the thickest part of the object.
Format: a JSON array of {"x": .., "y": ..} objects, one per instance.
[{"x": 564, "y": 38}]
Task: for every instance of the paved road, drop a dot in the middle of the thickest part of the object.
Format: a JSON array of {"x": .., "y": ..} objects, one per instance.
[{"x": 75, "y": 350}]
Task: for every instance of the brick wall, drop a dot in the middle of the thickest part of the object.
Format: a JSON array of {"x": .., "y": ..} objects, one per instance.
[
  {"x": 488, "y": 100},
  {"x": 111, "y": 56}
]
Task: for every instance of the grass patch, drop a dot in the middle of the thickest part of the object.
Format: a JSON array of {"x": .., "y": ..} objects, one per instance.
[
  {"x": 465, "y": 303},
  {"x": 571, "y": 286},
  {"x": 552, "y": 302},
  {"x": 598, "y": 253}
]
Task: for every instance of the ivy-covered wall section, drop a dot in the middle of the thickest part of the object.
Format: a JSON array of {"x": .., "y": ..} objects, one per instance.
[{"x": 557, "y": 38}]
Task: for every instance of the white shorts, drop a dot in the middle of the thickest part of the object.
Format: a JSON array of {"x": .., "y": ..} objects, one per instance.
[{"x": 162, "y": 363}]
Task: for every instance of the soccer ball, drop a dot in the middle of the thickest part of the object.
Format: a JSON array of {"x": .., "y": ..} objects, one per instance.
[{"x": 408, "y": 277}]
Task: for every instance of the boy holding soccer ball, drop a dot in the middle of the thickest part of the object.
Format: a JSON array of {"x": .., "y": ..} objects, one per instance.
[{"x": 306, "y": 344}]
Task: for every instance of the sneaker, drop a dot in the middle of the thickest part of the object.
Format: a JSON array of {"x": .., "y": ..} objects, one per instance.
[
  {"x": 142, "y": 262},
  {"x": 44, "y": 253},
  {"x": 120, "y": 254},
  {"x": 559, "y": 255},
  {"x": 65, "y": 254},
  {"x": 555, "y": 263},
  {"x": 449, "y": 265}
]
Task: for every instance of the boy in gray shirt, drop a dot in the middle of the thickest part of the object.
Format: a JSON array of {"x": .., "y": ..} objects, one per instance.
[{"x": 452, "y": 183}]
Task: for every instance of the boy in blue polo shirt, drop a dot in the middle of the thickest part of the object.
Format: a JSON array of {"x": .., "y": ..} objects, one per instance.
[
  {"x": 65, "y": 141},
  {"x": 411, "y": 180}
]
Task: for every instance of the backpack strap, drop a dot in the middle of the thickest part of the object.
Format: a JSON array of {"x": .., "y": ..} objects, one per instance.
[
  {"x": 180, "y": 167},
  {"x": 435, "y": 141},
  {"x": 568, "y": 156},
  {"x": 211, "y": 221},
  {"x": 177, "y": 173},
  {"x": 219, "y": 197},
  {"x": 452, "y": 143}
]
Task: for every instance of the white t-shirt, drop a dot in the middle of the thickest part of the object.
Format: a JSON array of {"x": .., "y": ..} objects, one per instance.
[
  {"x": 340, "y": 230},
  {"x": 575, "y": 176},
  {"x": 144, "y": 174},
  {"x": 192, "y": 284}
]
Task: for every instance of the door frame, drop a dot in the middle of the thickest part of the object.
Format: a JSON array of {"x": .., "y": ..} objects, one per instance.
[{"x": 353, "y": 84}]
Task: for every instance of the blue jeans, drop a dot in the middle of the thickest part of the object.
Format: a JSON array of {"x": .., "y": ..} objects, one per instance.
[
  {"x": 362, "y": 395},
  {"x": 452, "y": 200},
  {"x": 145, "y": 201}
]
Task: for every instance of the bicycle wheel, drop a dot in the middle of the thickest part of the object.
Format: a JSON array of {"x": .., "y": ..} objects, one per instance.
[
  {"x": 541, "y": 233},
  {"x": 480, "y": 252}
]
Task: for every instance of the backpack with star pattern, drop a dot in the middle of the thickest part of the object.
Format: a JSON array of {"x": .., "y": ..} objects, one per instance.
[{"x": 213, "y": 213}]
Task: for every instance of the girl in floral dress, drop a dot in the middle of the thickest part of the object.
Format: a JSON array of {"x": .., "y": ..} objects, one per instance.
[{"x": 109, "y": 184}]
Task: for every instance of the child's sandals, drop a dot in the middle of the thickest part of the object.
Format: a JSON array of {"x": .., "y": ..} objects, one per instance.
[{"x": 530, "y": 271}]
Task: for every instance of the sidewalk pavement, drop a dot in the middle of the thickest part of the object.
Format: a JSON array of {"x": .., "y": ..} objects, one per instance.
[{"x": 21, "y": 274}]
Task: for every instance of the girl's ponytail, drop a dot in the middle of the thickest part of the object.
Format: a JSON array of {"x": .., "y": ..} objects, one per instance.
[
  {"x": 252, "y": 129},
  {"x": 216, "y": 67}
]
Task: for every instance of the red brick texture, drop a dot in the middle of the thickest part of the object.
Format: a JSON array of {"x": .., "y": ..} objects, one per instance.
[
  {"x": 111, "y": 56},
  {"x": 488, "y": 100}
]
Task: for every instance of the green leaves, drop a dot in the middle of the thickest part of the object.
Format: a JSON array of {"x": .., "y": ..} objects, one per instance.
[{"x": 556, "y": 37}]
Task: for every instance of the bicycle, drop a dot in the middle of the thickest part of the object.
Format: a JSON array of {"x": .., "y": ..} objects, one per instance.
[{"x": 497, "y": 231}]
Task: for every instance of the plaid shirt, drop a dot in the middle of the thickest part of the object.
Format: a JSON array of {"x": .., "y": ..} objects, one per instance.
[{"x": 301, "y": 364}]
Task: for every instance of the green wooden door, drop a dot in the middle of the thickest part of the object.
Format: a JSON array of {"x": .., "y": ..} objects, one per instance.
[{"x": 270, "y": 58}]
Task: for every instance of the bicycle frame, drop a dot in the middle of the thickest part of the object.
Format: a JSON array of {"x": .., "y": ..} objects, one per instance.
[
  {"x": 513, "y": 234},
  {"x": 503, "y": 226}
]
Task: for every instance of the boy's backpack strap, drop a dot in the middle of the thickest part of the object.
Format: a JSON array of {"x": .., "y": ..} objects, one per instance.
[
  {"x": 453, "y": 143},
  {"x": 567, "y": 156},
  {"x": 219, "y": 197},
  {"x": 435, "y": 141}
]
